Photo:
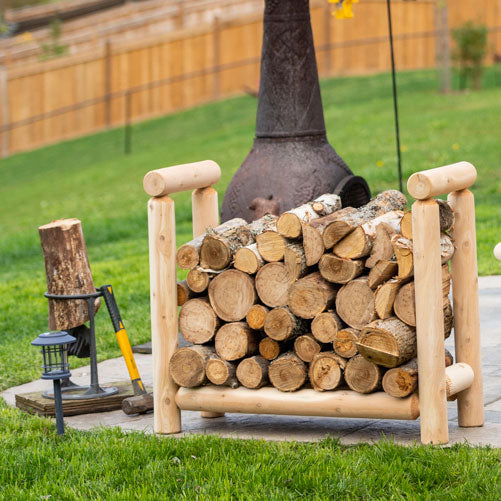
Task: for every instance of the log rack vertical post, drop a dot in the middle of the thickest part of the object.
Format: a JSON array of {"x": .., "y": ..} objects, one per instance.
[{"x": 162, "y": 244}]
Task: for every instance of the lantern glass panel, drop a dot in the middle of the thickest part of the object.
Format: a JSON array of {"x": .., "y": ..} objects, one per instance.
[{"x": 55, "y": 361}]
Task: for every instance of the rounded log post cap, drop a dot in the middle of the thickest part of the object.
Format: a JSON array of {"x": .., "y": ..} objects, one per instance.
[
  {"x": 434, "y": 182},
  {"x": 160, "y": 182},
  {"x": 497, "y": 251}
]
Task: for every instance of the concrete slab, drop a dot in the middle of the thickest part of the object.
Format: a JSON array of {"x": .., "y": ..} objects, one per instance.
[{"x": 348, "y": 431}]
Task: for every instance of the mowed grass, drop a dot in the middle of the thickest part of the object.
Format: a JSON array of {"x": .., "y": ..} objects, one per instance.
[
  {"x": 91, "y": 179},
  {"x": 108, "y": 464}
]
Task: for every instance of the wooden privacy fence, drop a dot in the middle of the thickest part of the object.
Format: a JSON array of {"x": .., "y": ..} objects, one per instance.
[{"x": 73, "y": 96}]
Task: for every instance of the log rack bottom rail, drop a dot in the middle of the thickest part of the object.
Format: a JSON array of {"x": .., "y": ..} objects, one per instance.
[{"x": 305, "y": 402}]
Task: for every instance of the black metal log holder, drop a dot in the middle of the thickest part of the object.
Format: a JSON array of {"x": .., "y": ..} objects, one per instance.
[{"x": 71, "y": 391}]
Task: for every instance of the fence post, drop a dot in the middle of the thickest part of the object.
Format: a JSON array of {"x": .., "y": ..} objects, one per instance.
[
  {"x": 442, "y": 47},
  {"x": 180, "y": 14},
  {"x": 107, "y": 83},
  {"x": 327, "y": 40},
  {"x": 128, "y": 127},
  {"x": 216, "y": 34},
  {"x": 4, "y": 96}
]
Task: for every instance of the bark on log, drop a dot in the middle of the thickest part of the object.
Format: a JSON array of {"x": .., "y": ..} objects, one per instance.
[
  {"x": 266, "y": 223},
  {"x": 338, "y": 270},
  {"x": 385, "y": 297},
  {"x": 311, "y": 295},
  {"x": 325, "y": 326},
  {"x": 231, "y": 295},
  {"x": 271, "y": 246},
  {"x": 363, "y": 376},
  {"x": 198, "y": 322},
  {"x": 270, "y": 349},
  {"x": 382, "y": 249},
  {"x": 287, "y": 372},
  {"x": 295, "y": 261},
  {"x": 360, "y": 241},
  {"x": 325, "y": 371},
  {"x": 187, "y": 365},
  {"x": 386, "y": 201},
  {"x": 306, "y": 347},
  {"x": 221, "y": 372},
  {"x": 256, "y": 315},
  {"x": 272, "y": 284},
  {"x": 68, "y": 272},
  {"x": 280, "y": 324},
  {"x": 355, "y": 303},
  {"x": 445, "y": 214},
  {"x": 388, "y": 342},
  {"x": 188, "y": 255},
  {"x": 345, "y": 342},
  {"x": 313, "y": 244},
  {"x": 248, "y": 259},
  {"x": 381, "y": 273},
  {"x": 253, "y": 372},
  {"x": 289, "y": 224},
  {"x": 236, "y": 340},
  {"x": 184, "y": 293}
]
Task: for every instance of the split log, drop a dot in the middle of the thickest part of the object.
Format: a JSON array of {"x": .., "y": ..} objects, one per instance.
[
  {"x": 388, "y": 342},
  {"x": 295, "y": 261},
  {"x": 345, "y": 342},
  {"x": 359, "y": 242},
  {"x": 362, "y": 375},
  {"x": 198, "y": 279},
  {"x": 253, "y": 372},
  {"x": 306, "y": 347},
  {"x": 236, "y": 340},
  {"x": 287, "y": 372},
  {"x": 325, "y": 326},
  {"x": 68, "y": 272},
  {"x": 198, "y": 322},
  {"x": 311, "y": 295},
  {"x": 381, "y": 273},
  {"x": 445, "y": 215},
  {"x": 231, "y": 295},
  {"x": 187, "y": 366},
  {"x": 256, "y": 315},
  {"x": 406, "y": 225},
  {"x": 322, "y": 222},
  {"x": 271, "y": 246},
  {"x": 270, "y": 349},
  {"x": 385, "y": 297},
  {"x": 289, "y": 224},
  {"x": 338, "y": 270},
  {"x": 248, "y": 259},
  {"x": 402, "y": 381},
  {"x": 355, "y": 303},
  {"x": 386, "y": 201},
  {"x": 188, "y": 255},
  {"x": 280, "y": 324},
  {"x": 184, "y": 293},
  {"x": 313, "y": 244},
  {"x": 221, "y": 372},
  {"x": 272, "y": 284},
  {"x": 325, "y": 371},
  {"x": 382, "y": 248}
]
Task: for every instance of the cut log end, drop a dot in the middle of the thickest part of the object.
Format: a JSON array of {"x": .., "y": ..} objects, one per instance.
[
  {"x": 187, "y": 365},
  {"x": 325, "y": 371},
  {"x": 253, "y": 372},
  {"x": 306, "y": 347},
  {"x": 221, "y": 372},
  {"x": 287, "y": 372},
  {"x": 256, "y": 315},
  {"x": 362, "y": 375},
  {"x": 345, "y": 342},
  {"x": 269, "y": 349},
  {"x": 197, "y": 321},
  {"x": 325, "y": 326}
]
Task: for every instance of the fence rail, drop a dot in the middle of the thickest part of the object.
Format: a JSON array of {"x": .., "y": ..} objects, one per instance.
[{"x": 116, "y": 84}]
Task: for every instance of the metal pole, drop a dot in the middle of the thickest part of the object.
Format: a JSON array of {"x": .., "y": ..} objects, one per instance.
[
  {"x": 94, "y": 382},
  {"x": 395, "y": 98},
  {"x": 58, "y": 406},
  {"x": 128, "y": 127}
]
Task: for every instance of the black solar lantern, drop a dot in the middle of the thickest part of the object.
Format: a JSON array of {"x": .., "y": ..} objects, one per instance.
[{"x": 55, "y": 366}]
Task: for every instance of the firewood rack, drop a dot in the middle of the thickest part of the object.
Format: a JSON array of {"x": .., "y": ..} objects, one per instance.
[{"x": 430, "y": 405}]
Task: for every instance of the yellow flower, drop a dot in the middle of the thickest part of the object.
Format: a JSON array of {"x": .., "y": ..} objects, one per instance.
[
  {"x": 343, "y": 8},
  {"x": 26, "y": 37},
  {"x": 379, "y": 163},
  {"x": 455, "y": 146},
  {"x": 403, "y": 148}
]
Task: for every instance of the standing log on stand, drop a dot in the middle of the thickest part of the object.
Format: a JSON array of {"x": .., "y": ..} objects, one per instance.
[
  {"x": 345, "y": 342},
  {"x": 325, "y": 371},
  {"x": 359, "y": 242},
  {"x": 295, "y": 261},
  {"x": 381, "y": 273},
  {"x": 221, "y": 372},
  {"x": 325, "y": 326},
  {"x": 270, "y": 349},
  {"x": 271, "y": 246},
  {"x": 188, "y": 255},
  {"x": 198, "y": 279},
  {"x": 232, "y": 294},
  {"x": 273, "y": 284},
  {"x": 445, "y": 215},
  {"x": 280, "y": 324},
  {"x": 248, "y": 259},
  {"x": 338, "y": 270},
  {"x": 289, "y": 224},
  {"x": 287, "y": 372},
  {"x": 256, "y": 315},
  {"x": 198, "y": 322},
  {"x": 187, "y": 365},
  {"x": 311, "y": 295},
  {"x": 387, "y": 201},
  {"x": 363, "y": 376},
  {"x": 355, "y": 303},
  {"x": 382, "y": 248},
  {"x": 306, "y": 347},
  {"x": 68, "y": 272},
  {"x": 253, "y": 372},
  {"x": 388, "y": 342},
  {"x": 385, "y": 297},
  {"x": 235, "y": 340}
]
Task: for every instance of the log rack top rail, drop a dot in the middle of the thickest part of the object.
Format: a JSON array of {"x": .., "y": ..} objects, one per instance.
[{"x": 431, "y": 405}]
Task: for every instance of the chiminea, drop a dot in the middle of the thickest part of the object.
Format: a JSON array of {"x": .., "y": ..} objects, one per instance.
[{"x": 291, "y": 161}]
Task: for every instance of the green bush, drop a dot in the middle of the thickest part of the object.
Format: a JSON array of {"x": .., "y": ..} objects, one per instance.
[{"x": 470, "y": 52}]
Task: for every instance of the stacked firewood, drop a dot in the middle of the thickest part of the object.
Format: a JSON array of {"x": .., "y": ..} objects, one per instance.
[{"x": 321, "y": 295}]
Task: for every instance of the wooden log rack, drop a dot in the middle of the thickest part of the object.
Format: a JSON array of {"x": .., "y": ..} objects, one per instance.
[{"x": 430, "y": 405}]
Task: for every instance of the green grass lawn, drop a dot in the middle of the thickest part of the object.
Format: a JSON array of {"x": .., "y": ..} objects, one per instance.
[{"x": 91, "y": 179}]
